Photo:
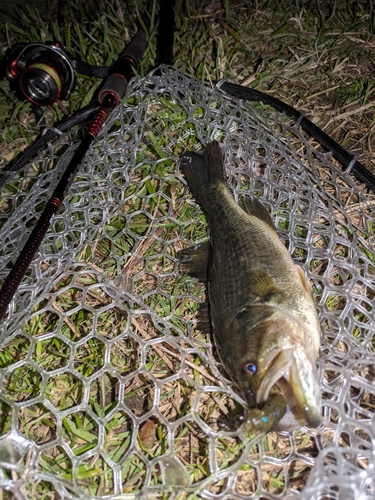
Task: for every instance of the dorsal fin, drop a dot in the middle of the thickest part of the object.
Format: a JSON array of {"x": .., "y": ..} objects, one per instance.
[{"x": 254, "y": 207}]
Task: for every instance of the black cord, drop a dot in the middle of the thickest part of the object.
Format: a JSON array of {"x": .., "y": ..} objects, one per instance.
[{"x": 338, "y": 152}]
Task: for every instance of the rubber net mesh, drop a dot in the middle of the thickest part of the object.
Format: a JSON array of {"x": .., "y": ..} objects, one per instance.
[{"x": 107, "y": 387}]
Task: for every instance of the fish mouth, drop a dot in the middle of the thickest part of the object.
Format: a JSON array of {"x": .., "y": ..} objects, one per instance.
[{"x": 296, "y": 377}]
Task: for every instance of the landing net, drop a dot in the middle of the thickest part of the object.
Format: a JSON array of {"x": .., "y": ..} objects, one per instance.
[{"x": 107, "y": 388}]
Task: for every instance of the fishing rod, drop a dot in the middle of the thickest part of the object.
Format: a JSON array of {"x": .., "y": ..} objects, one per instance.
[
  {"x": 164, "y": 48},
  {"x": 34, "y": 54},
  {"x": 48, "y": 134},
  {"x": 116, "y": 86},
  {"x": 110, "y": 95}
]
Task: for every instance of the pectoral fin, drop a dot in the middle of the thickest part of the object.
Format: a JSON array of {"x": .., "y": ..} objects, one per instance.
[
  {"x": 194, "y": 260},
  {"x": 204, "y": 323},
  {"x": 261, "y": 284}
]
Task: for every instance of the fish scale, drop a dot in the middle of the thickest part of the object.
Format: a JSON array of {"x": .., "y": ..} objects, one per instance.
[
  {"x": 231, "y": 248},
  {"x": 261, "y": 309}
]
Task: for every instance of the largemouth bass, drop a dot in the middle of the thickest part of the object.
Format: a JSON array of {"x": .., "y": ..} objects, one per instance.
[{"x": 261, "y": 308}]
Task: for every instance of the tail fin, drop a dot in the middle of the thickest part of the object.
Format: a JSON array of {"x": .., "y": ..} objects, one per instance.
[{"x": 201, "y": 171}]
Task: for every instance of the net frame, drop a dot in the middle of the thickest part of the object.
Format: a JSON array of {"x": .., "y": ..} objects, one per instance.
[{"x": 111, "y": 256}]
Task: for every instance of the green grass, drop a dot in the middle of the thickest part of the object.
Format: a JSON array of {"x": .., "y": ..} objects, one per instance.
[
  {"x": 315, "y": 57},
  {"x": 276, "y": 50}
]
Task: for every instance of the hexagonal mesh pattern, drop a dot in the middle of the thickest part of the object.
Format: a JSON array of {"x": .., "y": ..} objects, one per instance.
[{"x": 107, "y": 388}]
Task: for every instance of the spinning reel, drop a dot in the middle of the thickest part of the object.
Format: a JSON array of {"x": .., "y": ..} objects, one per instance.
[{"x": 44, "y": 73}]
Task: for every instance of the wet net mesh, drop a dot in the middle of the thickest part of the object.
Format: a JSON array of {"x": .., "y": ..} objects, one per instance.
[{"x": 107, "y": 388}]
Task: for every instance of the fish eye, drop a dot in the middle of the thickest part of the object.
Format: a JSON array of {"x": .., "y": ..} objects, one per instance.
[{"x": 250, "y": 368}]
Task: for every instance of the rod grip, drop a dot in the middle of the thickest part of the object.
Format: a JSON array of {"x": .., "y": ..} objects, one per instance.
[
  {"x": 136, "y": 47},
  {"x": 117, "y": 82}
]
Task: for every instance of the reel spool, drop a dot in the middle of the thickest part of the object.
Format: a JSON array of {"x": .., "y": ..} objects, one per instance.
[{"x": 43, "y": 72}]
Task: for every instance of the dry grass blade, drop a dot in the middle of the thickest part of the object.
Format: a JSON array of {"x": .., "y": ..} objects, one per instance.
[{"x": 107, "y": 388}]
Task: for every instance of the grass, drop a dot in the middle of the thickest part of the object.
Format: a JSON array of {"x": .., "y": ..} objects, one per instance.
[
  {"x": 275, "y": 50},
  {"x": 315, "y": 56}
]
